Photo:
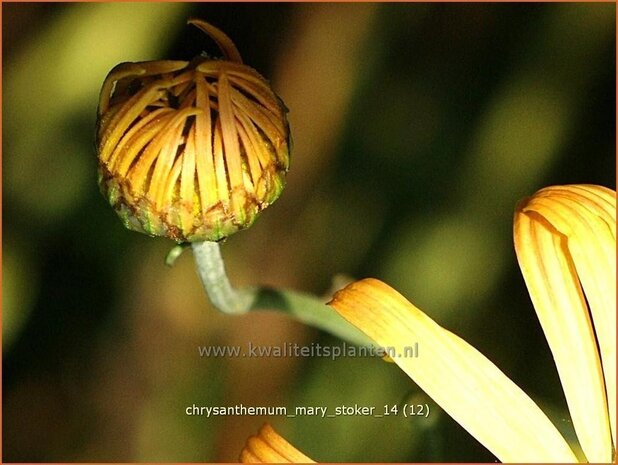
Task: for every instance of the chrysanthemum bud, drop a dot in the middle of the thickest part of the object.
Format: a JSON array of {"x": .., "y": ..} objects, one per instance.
[{"x": 191, "y": 150}]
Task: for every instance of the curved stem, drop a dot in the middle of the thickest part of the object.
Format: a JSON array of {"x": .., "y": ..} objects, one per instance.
[
  {"x": 305, "y": 308},
  {"x": 310, "y": 310},
  {"x": 211, "y": 269}
]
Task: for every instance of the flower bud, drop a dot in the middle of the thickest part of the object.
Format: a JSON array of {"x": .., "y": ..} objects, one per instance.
[{"x": 193, "y": 150}]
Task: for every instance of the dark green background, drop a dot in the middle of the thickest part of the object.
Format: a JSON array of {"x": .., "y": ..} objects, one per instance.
[{"x": 417, "y": 129}]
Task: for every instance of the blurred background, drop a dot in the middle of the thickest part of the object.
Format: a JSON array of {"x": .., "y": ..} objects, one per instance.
[{"x": 416, "y": 127}]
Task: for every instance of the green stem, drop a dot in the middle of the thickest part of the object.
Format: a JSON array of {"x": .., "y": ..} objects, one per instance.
[
  {"x": 310, "y": 310},
  {"x": 211, "y": 269},
  {"x": 306, "y": 308}
]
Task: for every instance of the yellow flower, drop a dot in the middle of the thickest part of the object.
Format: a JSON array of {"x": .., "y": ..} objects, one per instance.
[
  {"x": 268, "y": 447},
  {"x": 564, "y": 236},
  {"x": 191, "y": 150},
  {"x": 565, "y": 239}
]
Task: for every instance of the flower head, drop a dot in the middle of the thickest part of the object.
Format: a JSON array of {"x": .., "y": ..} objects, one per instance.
[{"x": 191, "y": 150}]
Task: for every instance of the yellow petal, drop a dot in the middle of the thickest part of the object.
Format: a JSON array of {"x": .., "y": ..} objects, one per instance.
[
  {"x": 268, "y": 447},
  {"x": 468, "y": 386},
  {"x": 564, "y": 236},
  {"x": 592, "y": 244}
]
